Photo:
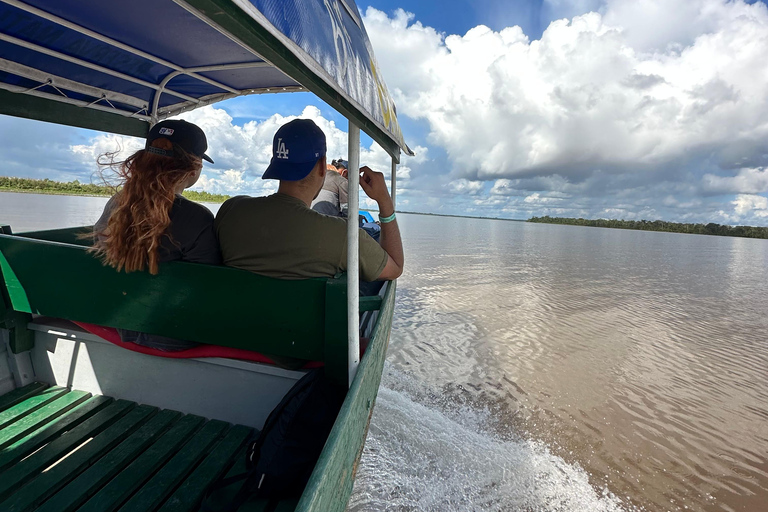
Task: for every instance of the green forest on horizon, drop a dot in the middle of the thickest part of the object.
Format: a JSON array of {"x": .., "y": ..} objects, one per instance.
[
  {"x": 75, "y": 188},
  {"x": 660, "y": 225}
]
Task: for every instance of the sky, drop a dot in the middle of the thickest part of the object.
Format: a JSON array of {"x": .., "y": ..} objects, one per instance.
[{"x": 631, "y": 109}]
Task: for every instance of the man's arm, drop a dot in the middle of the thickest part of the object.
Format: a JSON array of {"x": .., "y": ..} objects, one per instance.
[{"x": 375, "y": 187}]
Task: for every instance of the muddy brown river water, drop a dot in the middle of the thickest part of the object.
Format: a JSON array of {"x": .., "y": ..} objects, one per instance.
[{"x": 557, "y": 368}]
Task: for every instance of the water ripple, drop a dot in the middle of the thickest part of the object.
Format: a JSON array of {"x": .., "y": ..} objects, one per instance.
[{"x": 640, "y": 357}]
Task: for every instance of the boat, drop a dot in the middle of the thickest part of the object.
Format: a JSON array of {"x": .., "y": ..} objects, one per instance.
[{"x": 86, "y": 424}]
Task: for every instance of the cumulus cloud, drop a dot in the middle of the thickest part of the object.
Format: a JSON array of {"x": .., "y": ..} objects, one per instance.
[
  {"x": 751, "y": 205},
  {"x": 242, "y": 152},
  {"x": 613, "y": 102},
  {"x": 623, "y": 108},
  {"x": 659, "y": 25},
  {"x": 586, "y": 96},
  {"x": 746, "y": 181},
  {"x": 462, "y": 186},
  {"x": 37, "y": 150}
]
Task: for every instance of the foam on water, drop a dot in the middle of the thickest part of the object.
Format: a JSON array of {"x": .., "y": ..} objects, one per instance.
[{"x": 422, "y": 454}]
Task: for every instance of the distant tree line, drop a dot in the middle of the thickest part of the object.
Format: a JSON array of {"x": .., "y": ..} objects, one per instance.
[
  {"x": 204, "y": 197},
  {"x": 47, "y": 186},
  {"x": 660, "y": 225},
  {"x": 76, "y": 188}
]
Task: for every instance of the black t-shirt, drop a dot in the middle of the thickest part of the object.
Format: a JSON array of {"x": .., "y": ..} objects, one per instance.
[{"x": 192, "y": 237}]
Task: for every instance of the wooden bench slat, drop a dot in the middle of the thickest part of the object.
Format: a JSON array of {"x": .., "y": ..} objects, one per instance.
[
  {"x": 43, "y": 415},
  {"x": 92, "y": 479},
  {"x": 49, "y": 482},
  {"x": 18, "y": 395},
  {"x": 225, "y": 494},
  {"x": 122, "y": 486},
  {"x": 165, "y": 481},
  {"x": 189, "y": 494},
  {"x": 30, "y": 405},
  {"x": 20, "y": 449},
  {"x": 27, "y": 469}
]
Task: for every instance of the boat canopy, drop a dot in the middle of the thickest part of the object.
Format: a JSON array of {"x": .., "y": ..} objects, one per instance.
[{"x": 121, "y": 66}]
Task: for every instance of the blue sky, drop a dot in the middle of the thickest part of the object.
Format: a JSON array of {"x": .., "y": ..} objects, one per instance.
[
  {"x": 593, "y": 108},
  {"x": 458, "y": 16}
]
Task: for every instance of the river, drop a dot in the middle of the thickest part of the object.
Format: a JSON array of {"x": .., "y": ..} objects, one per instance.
[{"x": 557, "y": 368}]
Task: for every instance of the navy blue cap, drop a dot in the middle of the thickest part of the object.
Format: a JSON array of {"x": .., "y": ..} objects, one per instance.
[
  {"x": 296, "y": 148},
  {"x": 187, "y": 136}
]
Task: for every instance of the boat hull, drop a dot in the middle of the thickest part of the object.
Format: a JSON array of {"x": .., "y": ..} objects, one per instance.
[{"x": 330, "y": 485}]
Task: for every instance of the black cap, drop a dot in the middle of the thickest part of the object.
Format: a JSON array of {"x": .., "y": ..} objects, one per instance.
[{"x": 187, "y": 136}]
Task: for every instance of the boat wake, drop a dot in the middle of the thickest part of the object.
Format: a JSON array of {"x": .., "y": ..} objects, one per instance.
[{"x": 424, "y": 455}]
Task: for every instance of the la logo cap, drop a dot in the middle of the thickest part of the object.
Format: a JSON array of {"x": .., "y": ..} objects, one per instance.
[{"x": 296, "y": 148}]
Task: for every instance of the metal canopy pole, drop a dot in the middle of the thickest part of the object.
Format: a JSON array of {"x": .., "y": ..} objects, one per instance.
[
  {"x": 394, "y": 182},
  {"x": 353, "y": 254}
]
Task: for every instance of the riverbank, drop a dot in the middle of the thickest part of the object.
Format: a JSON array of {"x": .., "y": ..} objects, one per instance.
[
  {"x": 75, "y": 188},
  {"x": 660, "y": 225}
]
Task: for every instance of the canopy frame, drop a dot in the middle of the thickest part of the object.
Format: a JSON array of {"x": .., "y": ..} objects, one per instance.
[{"x": 239, "y": 21}]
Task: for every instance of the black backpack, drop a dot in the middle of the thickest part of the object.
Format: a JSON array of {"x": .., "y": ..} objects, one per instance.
[{"x": 280, "y": 459}]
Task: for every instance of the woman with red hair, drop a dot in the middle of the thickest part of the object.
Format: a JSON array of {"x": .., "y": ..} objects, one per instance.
[{"x": 147, "y": 221}]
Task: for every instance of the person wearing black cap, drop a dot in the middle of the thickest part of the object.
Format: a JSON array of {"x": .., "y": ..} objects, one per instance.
[
  {"x": 280, "y": 236},
  {"x": 148, "y": 221}
]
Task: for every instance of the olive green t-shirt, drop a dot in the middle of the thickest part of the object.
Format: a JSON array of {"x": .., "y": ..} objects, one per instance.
[{"x": 280, "y": 236}]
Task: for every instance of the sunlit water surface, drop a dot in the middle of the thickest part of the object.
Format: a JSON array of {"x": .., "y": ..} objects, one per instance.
[{"x": 556, "y": 368}]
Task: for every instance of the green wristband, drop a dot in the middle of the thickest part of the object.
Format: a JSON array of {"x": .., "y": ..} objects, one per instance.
[{"x": 384, "y": 220}]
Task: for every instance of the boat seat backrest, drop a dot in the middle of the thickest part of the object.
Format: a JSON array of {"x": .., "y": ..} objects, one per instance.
[{"x": 203, "y": 303}]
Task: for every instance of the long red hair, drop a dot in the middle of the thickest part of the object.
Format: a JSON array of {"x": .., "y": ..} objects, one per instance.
[{"x": 140, "y": 216}]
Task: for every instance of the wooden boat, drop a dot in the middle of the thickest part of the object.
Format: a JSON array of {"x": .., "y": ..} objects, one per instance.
[{"x": 86, "y": 424}]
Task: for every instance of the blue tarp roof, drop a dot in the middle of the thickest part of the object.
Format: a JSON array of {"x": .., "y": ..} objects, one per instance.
[{"x": 147, "y": 60}]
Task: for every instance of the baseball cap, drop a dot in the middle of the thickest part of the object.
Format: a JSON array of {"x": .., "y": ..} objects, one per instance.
[
  {"x": 183, "y": 134},
  {"x": 296, "y": 148},
  {"x": 342, "y": 163}
]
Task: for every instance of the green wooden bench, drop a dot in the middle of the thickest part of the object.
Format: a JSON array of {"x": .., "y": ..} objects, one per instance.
[
  {"x": 136, "y": 458},
  {"x": 51, "y": 273}
]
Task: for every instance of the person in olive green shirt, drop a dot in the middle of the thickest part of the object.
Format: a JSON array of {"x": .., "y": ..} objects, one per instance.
[{"x": 280, "y": 236}]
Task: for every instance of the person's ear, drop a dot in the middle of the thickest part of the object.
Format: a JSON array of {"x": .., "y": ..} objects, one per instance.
[{"x": 323, "y": 167}]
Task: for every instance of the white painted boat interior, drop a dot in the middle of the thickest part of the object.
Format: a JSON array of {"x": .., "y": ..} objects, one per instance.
[{"x": 235, "y": 391}]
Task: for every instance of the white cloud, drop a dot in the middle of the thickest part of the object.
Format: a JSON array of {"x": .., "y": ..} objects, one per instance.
[
  {"x": 539, "y": 199},
  {"x": 746, "y": 181},
  {"x": 122, "y": 147},
  {"x": 583, "y": 97},
  {"x": 463, "y": 186},
  {"x": 657, "y": 25},
  {"x": 622, "y": 110},
  {"x": 242, "y": 153},
  {"x": 747, "y": 205},
  {"x": 641, "y": 108}
]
